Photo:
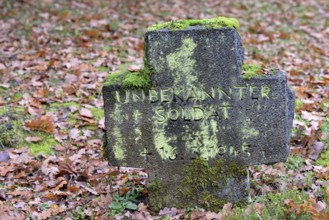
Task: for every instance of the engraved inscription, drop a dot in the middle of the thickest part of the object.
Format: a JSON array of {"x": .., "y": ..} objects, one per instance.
[
  {"x": 195, "y": 111},
  {"x": 222, "y": 150},
  {"x": 169, "y": 154},
  {"x": 193, "y": 94},
  {"x": 145, "y": 153}
]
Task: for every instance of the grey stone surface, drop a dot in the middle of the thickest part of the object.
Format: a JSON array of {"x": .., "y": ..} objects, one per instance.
[{"x": 198, "y": 105}]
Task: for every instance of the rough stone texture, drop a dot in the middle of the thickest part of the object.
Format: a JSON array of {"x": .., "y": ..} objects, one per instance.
[{"x": 197, "y": 105}]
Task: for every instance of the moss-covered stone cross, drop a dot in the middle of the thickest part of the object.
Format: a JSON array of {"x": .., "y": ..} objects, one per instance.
[{"x": 201, "y": 122}]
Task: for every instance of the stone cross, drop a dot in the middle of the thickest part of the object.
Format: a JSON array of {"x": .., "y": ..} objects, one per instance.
[{"x": 196, "y": 124}]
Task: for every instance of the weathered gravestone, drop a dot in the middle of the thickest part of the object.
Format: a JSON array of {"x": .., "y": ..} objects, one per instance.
[{"x": 192, "y": 120}]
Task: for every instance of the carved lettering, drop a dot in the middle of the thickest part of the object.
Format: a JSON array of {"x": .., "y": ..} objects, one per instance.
[
  {"x": 245, "y": 149},
  {"x": 225, "y": 111},
  {"x": 226, "y": 94},
  {"x": 206, "y": 93},
  {"x": 166, "y": 95},
  {"x": 192, "y": 95},
  {"x": 222, "y": 150},
  {"x": 187, "y": 114},
  {"x": 214, "y": 113},
  {"x": 265, "y": 90},
  {"x": 138, "y": 98},
  {"x": 233, "y": 152},
  {"x": 169, "y": 153},
  {"x": 241, "y": 88},
  {"x": 173, "y": 114},
  {"x": 177, "y": 94},
  {"x": 159, "y": 111},
  {"x": 213, "y": 151},
  {"x": 212, "y": 108},
  {"x": 198, "y": 113},
  {"x": 153, "y": 95},
  {"x": 254, "y": 90},
  {"x": 118, "y": 98}
]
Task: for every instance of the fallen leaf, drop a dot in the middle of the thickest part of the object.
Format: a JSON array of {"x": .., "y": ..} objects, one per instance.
[
  {"x": 320, "y": 206},
  {"x": 66, "y": 167},
  {"x": 8, "y": 213},
  {"x": 73, "y": 109},
  {"x": 317, "y": 149},
  {"x": 50, "y": 196},
  {"x": 73, "y": 189},
  {"x": 86, "y": 113},
  {"x": 198, "y": 215},
  {"x": 74, "y": 133},
  {"x": 5, "y": 169},
  {"x": 47, "y": 167},
  {"x": 259, "y": 208},
  {"x": 44, "y": 123},
  {"x": 213, "y": 216},
  {"x": 61, "y": 182},
  {"x": 104, "y": 200},
  {"x": 122, "y": 180},
  {"x": 310, "y": 116},
  {"x": 2, "y": 101},
  {"x": 52, "y": 211},
  {"x": 34, "y": 139},
  {"x": 134, "y": 68},
  {"x": 280, "y": 166},
  {"x": 89, "y": 189},
  {"x": 227, "y": 209},
  {"x": 142, "y": 207},
  {"x": 142, "y": 216},
  {"x": 40, "y": 68},
  {"x": 59, "y": 148}
]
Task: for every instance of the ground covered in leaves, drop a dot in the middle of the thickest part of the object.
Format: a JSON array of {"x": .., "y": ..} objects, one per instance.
[{"x": 54, "y": 57}]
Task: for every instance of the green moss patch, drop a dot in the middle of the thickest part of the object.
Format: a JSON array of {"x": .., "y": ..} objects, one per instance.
[
  {"x": 98, "y": 113},
  {"x": 217, "y": 22},
  {"x": 11, "y": 126},
  {"x": 202, "y": 180},
  {"x": 10, "y": 96},
  {"x": 155, "y": 188},
  {"x": 129, "y": 79},
  {"x": 298, "y": 104},
  {"x": 324, "y": 158},
  {"x": 55, "y": 105},
  {"x": 45, "y": 146},
  {"x": 13, "y": 134},
  {"x": 255, "y": 71},
  {"x": 275, "y": 206}
]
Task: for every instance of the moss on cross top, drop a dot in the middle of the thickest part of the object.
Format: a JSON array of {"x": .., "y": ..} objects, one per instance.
[
  {"x": 255, "y": 71},
  {"x": 217, "y": 22},
  {"x": 129, "y": 79}
]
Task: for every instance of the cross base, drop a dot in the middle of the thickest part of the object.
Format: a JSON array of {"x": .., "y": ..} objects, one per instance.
[{"x": 200, "y": 184}]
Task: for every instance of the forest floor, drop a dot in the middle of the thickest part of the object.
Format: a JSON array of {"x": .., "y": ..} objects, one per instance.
[{"x": 54, "y": 57}]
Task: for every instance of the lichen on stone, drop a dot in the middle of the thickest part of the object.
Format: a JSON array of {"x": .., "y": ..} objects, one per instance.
[
  {"x": 118, "y": 149},
  {"x": 182, "y": 63},
  {"x": 217, "y": 22}
]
